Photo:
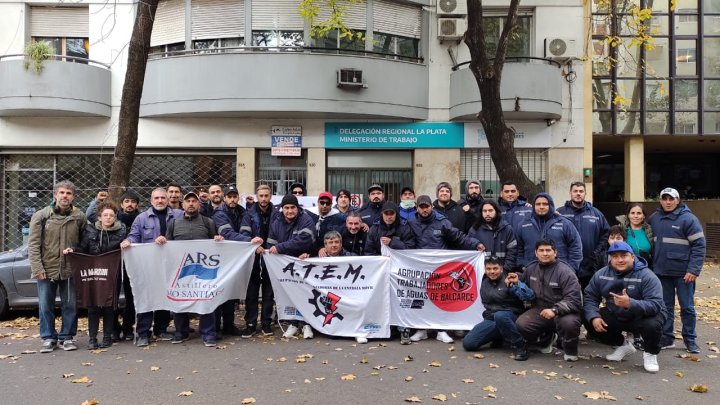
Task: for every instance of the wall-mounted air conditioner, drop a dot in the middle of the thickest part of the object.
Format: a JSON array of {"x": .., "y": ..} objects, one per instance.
[
  {"x": 451, "y": 7},
  {"x": 560, "y": 48},
  {"x": 352, "y": 78},
  {"x": 451, "y": 28}
]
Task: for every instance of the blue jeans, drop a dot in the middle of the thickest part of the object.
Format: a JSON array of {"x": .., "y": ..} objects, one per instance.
[
  {"x": 502, "y": 326},
  {"x": 47, "y": 291},
  {"x": 685, "y": 296}
]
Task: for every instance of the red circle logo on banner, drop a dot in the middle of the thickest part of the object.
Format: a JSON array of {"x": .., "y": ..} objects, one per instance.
[{"x": 452, "y": 286}]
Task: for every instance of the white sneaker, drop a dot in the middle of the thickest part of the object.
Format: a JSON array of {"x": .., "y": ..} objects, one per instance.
[
  {"x": 421, "y": 334},
  {"x": 444, "y": 337},
  {"x": 570, "y": 357},
  {"x": 361, "y": 340},
  {"x": 621, "y": 352},
  {"x": 650, "y": 362},
  {"x": 290, "y": 331},
  {"x": 308, "y": 332},
  {"x": 549, "y": 348}
]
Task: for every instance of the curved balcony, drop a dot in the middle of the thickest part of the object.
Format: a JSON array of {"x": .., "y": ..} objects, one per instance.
[
  {"x": 531, "y": 89},
  {"x": 66, "y": 87},
  {"x": 292, "y": 82}
]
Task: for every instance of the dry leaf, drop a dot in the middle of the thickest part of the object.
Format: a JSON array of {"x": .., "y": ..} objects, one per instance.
[
  {"x": 185, "y": 394},
  {"x": 28, "y": 352},
  {"x": 523, "y": 372},
  {"x": 87, "y": 364},
  {"x": 409, "y": 378},
  {"x": 679, "y": 374},
  {"x": 440, "y": 397},
  {"x": 379, "y": 366},
  {"x": 154, "y": 368},
  {"x": 715, "y": 349},
  {"x": 178, "y": 378},
  {"x": 434, "y": 363},
  {"x": 91, "y": 402},
  {"x": 701, "y": 388},
  {"x": 68, "y": 375},
  {"x": 690, "y": 357},
  {"x": 348, "y": 377},
  {"x": 558, "y": 397},
  {"x": 639, "y": 397},
  {"x": 392, "y": 368},
  {"x": 478, "y": 356},
  {"x": 451, "y": 348},
  {"x": 338, "y": 349},
  {"x": 375, "y": 374},
  {"x": 599, "y": 395},
  {"x": 82, "y": 380},
  {"x": 489, "y": 388},
  {"x": 551, "y": 374},
  {"x": 307, "y": 381},
  {"x": 409, "y": 358},
  {"x": 493, "y": 365},
  {"x": 468, "y": 380},
  {"x": 413, "y": 398},
  {"x": 492, "y": 396},
  {"x": 250, "y": 400},
  {"x": 300, "y": 360},
  {"x": 364, "y": 360},
  {"x": 320, "y": 378}
]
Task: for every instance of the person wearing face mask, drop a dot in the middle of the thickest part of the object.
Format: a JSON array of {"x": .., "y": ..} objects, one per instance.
[
  {"x": 407, "y": 204},
  {"x": 472, "y": 203}
]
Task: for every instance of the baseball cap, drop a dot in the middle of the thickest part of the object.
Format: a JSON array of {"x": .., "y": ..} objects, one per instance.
[
  {"x": 190, "y": 194},
  {"x": 230, "y": 189},
  {"x": 424, "y": 200},
  {"x": 389, "y": 206},
  {"x": 325, "y": 194},
  {"x": 620, "y": 246},
  {"x": 671, "y": 192},
  {"x": 375, "y": 186},
  {"x": 407, "y": 189}
]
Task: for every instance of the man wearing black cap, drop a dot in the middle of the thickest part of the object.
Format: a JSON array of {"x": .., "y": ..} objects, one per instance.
[
  {"x": 297, "y": 189},
  {"x": 227, "y": 217},
  {"x": 192, "y": 226},
  {"x": 633, "y": 303},
  {"x": 370, "y": 211},
  {"x": 292, "y": 234},
  {"x": 407, "y": 204},
  {"x": 390, "y": 230},
  {"x": 448, "y": 207},
  {"x": 678, "y": 257}
]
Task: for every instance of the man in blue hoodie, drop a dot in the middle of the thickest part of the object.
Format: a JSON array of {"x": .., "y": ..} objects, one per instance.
[
  {"x": 633, "y": 303},
  {"x": 513, "y": 206},
  {"x": 678, "y": 257},
  {"x": 545, "y": 223},
  {"x": 592, "y": 227}
]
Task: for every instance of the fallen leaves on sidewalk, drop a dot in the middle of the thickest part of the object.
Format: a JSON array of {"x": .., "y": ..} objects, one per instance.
[
  {"x": 701, "y": 388},
  {"x": 82, "y": 380},
  {"x": 185, "y": 394},
  {"x": 599, "y": 395}
]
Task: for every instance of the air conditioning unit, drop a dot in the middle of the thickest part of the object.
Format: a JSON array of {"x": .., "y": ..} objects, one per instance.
[
  {"x": 451, "y": 28},
  {"x": 451, "y": 7},
  {"x": 560, "y": 48},
  {"x": 352, "y": 78}
]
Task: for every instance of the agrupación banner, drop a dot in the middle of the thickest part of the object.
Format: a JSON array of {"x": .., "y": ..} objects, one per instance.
[
  {"x": 188, "y": 276},
  {"x": 435, "y": 289},
  {"x": 339, "y": 296}
]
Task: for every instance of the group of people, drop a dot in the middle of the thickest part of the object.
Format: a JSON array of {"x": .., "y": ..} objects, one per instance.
[{"x": 548, "y": 270}]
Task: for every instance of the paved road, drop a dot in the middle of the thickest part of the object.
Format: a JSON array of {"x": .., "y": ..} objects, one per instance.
[{"x": 267, "y": 370}]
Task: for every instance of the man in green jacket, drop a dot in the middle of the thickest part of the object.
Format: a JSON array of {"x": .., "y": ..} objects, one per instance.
[{"x": 54, "y": 232}]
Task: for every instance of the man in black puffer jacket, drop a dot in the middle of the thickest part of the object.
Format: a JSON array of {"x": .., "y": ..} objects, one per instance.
[{"x": 496, "y": 235}]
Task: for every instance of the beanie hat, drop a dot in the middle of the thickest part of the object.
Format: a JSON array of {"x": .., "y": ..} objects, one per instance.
[
  {"x": 444, "y": 184},
  {"x": 130, "y": 195},
  {"x": 469, "y": 182},
  {"x": 289, "y": 199}
]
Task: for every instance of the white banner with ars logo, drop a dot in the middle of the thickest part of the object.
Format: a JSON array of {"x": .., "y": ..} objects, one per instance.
[
  {"x": 188, "y": 276},
  {"x": 436, "y": 289},
  {"x": 338, "y": 296}
]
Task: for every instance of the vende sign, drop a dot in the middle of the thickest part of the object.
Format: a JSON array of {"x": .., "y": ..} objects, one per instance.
[{"x": 286, "y": 141}]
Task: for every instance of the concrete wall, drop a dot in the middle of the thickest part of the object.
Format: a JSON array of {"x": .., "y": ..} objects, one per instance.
[
  {"x": 564, "y": 167},
  {"x": 431, "y": 166}
]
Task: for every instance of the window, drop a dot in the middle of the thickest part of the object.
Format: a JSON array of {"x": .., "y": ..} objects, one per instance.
[
  {"x": 216, "y": 45},
  {"x": 77, "y": 47},
  {"x": 167, "y": 49},
  {"x": 273, "y": 38},
  {"x": 332, "y": 41},
  {"x": 396, "y": 45},
  {"x": 686, "y": 55},
  {"x": 520, "y": 40}
]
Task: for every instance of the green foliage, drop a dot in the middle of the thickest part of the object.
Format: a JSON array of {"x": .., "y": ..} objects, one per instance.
[
  {"x": 37, "y": 52},
  {"x": 311, "y": 11}
]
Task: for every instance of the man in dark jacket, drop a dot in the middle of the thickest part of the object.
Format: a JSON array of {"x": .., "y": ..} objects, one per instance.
[
  {"x": 227, "y": 217},
  {"x": 678, "y": 258},
  {"x": 370, "y": 211},
  {"x": 545, "y": 223},
  {"x": 216, "y": 196},
  {"x": 496, "y": 235},
  {"x": 472, "y": 203},
  {"x": 445, "y": 205},
  {"x": 128, "y": 212},
  {"x": 503, "y": 298},
  {"x": 514, "y": 207},
  {"x": 255, "y": 228},
  {"x": 633, "y": 303},
  {"x": 391, "y": 231},
  {"x": 592, "y": 227},
  {"x": 558, "y": 302},
  {"x": 328, "y": 218},
  {"x": 353, "y": 235},
  {"x": 292, "y": 234},
  {"x": 407, "y": 204}
]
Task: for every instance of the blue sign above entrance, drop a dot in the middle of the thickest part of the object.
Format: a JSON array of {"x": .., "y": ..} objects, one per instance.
[{"x": 391, "y": 135}]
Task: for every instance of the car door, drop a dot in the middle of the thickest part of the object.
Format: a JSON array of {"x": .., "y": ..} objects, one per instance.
[{"x": 25, "y": 285}]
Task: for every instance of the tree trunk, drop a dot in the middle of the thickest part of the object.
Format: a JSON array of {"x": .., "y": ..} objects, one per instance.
[
  {"x": 122, "y": 161},
  {"x": 488, "y": 75}
]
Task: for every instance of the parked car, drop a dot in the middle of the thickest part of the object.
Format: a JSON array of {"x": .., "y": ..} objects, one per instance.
[{"x": 18, "y": 290}]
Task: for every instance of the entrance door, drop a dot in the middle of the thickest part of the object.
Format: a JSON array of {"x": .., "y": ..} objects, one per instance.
[{"x": 357, "y": 170}]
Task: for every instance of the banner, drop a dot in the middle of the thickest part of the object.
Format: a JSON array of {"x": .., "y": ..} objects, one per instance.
[
  {"x": 188, "y": 276},
  {"x": 436, "y": 289},
  {"x": 339, "y": 296},
  {"x": 96, "y": 279}
]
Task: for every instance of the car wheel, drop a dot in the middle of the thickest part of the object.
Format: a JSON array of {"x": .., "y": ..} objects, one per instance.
[{"x": 4, "y": 307}]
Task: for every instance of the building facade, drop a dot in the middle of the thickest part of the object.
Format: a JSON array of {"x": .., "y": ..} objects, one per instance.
[{"x": 239, "y": 91}]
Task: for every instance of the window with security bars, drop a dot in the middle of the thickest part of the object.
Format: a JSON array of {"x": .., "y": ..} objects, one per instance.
[
  {"x": 26, "y": 182},
  {"x": 477, "y": 164}
]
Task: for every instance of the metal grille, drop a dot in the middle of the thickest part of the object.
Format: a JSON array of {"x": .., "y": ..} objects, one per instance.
[
  {"x": 27, "y": 181},
  {"x": 279, "y": 172},
  {"x": 713, "y": 238},
  {"x": 358, "y": 181},
  {"x": 477, "y": 164}
]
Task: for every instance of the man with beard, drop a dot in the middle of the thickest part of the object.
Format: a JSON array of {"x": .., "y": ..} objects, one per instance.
[
  {"x": 227, "y": 217},
  {"x": 496, "y": 235},
  {"x": 371, "y": 210},
  {"x": 558, "y": 302},
  {"x": 128, "y": 212},
  {"x": 215, "y": 199},
  {"x": 545, "y": 223},
  {"x": 147, "y": 228},
  {"x": 391, "y": 231},
  {"x": 192, "y": 226},
  {"x": 445, "y": 205},
  {"x": 328, "y": 218},
  {"x": 174, "y": 196},
  {"x": 255, "y": 228},
  {"x": 472, "y": 203},
  {"x": 353, "y": 235},
  {"x": 514, "y": 207}
]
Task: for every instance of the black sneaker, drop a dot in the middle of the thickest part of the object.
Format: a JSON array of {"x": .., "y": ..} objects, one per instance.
[
  {"x": 248, "y": 332},
  {"x": 106, "y": 342},
  {"x": 267, "y": 330},
  {"x": 92, "y": 344},
  {"x": 164, "y": 336},
  {"x": 142, "y": 341},
  {"x": 177, "y": 339},
  {"x": 405, "y": 337},
  {"x": 209, "y": 342},
  {"x": 521, "y": 354}
]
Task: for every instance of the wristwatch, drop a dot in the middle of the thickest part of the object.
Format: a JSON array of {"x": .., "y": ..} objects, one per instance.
[{"x": 554, "y": 311}]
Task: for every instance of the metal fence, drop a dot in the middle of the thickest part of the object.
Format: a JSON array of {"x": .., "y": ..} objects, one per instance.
[
  {"x": 477, "y": 164},
  {"x": 26, "y": 181},
  {"x": 358, "y": 181}
]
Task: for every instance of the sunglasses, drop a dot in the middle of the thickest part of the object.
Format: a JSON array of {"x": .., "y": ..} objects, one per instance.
[
  {"x": 299, "y": 192},
  {"x": 325, "y": 202}
]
